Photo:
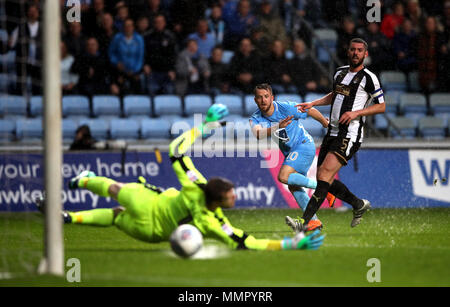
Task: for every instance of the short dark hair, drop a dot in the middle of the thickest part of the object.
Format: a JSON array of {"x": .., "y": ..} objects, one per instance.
[
  {"x": 263, "y": 86},
  {"x": 360, "y": 41},
  {"x": 215, "y": 187}
]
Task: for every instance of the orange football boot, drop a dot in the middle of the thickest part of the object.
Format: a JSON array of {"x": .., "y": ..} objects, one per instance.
[
  {"x": 313, "y": 225},
  {"x": 331, "y": 199}
]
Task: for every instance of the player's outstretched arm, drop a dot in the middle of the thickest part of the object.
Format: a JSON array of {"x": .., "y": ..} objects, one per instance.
[
  {"x": 325, "y": 100},
  {"x": 314, "y": 113}
]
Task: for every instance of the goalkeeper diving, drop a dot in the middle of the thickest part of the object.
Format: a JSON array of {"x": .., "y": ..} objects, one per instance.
[{"x": 149, "y": 214}]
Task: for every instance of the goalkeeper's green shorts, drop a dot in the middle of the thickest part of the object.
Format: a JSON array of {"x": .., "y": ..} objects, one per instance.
[{"x": 136, "y": 220}]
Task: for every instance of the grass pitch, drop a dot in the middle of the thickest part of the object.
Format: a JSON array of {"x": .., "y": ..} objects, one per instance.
[{"x": 412, "y": 245}]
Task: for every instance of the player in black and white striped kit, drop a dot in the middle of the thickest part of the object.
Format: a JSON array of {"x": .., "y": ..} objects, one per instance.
[{"x": 354, "y": 88}]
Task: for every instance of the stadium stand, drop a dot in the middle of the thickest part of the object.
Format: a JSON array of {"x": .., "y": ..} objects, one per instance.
[
  {"x": 13, "y": 106},
  {"x": 106, "y": 106},
  {"x": 76, "y": 106},
  {"x": 29, "y": 129},
  {"x": 432, "y": 127},
  {"x": 155, "y": 128},
  {"x": 36, "y": 106},
  {"x": 124, "y": 128},
  {"x": 7, "y": 130},
  {"x": 233, "y": 102},
  {"x": 196, "y": 103},
  {"x": 99, "y": 127},
  {"x": 137, "y": 106}
]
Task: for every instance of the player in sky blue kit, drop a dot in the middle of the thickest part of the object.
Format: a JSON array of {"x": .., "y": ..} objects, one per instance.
[{"x": 281, "y": 121}]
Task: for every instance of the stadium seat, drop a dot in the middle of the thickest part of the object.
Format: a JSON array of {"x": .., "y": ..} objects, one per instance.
[
  {"x": 440, "y": 103},
  {"x": 227, "y": 56},
  {"x": 69, "y": 127},
  {"x": 249, "y": 105},
  {"x": 167, "y": 105},
  {"x": 29, "y": 129},
  {"x": 289, "y": 97},
  {"x": 413, "y": 103},
  {"x": 155, "y": 128},
  {"x": 4, "y": 83},
  {"x": 392, "y": 100},
  {"x": 137, "y": 106},
  {"x": 406, "y": 126},
  {"x": 233, "y": 102},
  {"x": 432, "y": 127},
  {"x": 327, "y": 37},
  {"x": 7, "y": 130},
  {"x": 196, "y": 103},
  {"x": 107, "y": 106},
  {"x": 99, "y": 127},
  {"x": 393, "y": 81},
  {"x": 13, "y": 106},
  {"x": 75, "y": 106},
  {"x": 124, "y": 128},
  {"x": 232, "y": 124},
  {"x": 314, "y": 128},
  {"x": 36, "y": 106},
  {"x": 413, "y": 82},
  {"x": 381, "y": 122}
]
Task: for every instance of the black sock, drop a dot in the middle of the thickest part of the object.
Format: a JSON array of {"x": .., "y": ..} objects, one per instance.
[
  {"x": 316, "y": 200},
  {"x": 340, "y": 190}
]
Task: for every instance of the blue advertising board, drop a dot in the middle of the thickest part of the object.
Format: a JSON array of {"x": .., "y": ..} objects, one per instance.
[{"x": 388, "y": 178}]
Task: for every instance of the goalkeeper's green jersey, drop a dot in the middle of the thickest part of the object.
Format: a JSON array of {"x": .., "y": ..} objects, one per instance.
[{"x": 188, "y": 205}]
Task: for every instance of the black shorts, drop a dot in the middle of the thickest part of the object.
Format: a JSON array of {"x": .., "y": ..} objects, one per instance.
[{"x": 342, "y": 148}]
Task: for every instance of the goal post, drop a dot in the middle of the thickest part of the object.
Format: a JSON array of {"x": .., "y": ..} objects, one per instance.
[{"x": 51, "y": 76}]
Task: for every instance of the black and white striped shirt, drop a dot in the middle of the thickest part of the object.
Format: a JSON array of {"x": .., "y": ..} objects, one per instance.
[{"x": 352, "y": 91}]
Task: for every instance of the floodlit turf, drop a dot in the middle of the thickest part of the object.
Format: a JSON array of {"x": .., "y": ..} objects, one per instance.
[{"x": 412, "y": 245}]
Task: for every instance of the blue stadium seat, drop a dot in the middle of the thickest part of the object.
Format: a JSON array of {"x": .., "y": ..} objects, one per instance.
[
  {"x": 288, "y": 97},
  {"x": 7, "y": 130},
  {"x": 167, "y": 105},
  {"x": 29, "y": 129},
  {"x": 440, "y": 103},
  {"x": 13, "y": 106},
  {"x": 69, "y": 127},
  {"x": 406, "y": 126},
  {"x": 155, "y": 128},
  {"x": 196, "y": 103},
  {"x": 137, "y": 106},
  {"x": 432, "y": 127},
  {"x": 393, "y": 81},
  {"x": 183, "y": 125},
  {"x": 124, "y": 128},
  {"x": 249, "y": 105},
  {"x": 313, "y": 127},
  {"x": 413, "y": 103},
  {"x": 75, "y": 106},
  {"x": 381, "y": 121},
  {"x": 99, "y": 127},
  {"x": 107, "y": 106},
  {"x": 392, "y": 100},
  {"x": 328, "y": 37},
  {"x": 36, "y": 106},
  {"x": 4, "y": 83},
  {"x": 413, "y": 82},
  {"x": 233, "y": 102},
  {"x": 235, "y": 122}
]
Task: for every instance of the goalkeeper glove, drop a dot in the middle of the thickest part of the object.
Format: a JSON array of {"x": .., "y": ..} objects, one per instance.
[
  {"x": 300, "y": 241},
  {"x": 215, "y": 113}
]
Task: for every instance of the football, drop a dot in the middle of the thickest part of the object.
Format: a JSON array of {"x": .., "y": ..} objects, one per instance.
[{"x": 186, "y": 240}]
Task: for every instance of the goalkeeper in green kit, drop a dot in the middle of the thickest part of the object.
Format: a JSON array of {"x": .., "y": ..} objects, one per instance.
[{"x": 149, "y": 214}]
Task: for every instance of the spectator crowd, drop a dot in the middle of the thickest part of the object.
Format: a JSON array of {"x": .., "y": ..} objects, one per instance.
[{"x": 180, "y": 46}]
